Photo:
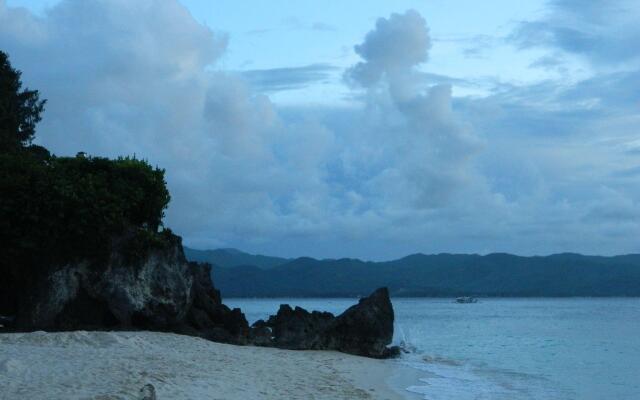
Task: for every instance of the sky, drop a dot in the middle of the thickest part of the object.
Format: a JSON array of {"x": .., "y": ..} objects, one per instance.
[{"x": 334, "y": 129}]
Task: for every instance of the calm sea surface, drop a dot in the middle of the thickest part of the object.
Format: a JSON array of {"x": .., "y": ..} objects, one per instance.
[{"x": 582, "y": 349}]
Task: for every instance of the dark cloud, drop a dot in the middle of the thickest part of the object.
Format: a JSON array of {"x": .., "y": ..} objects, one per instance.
[
  {"x": 278, "y": 79},
  {"x": 604, "y": 31}
]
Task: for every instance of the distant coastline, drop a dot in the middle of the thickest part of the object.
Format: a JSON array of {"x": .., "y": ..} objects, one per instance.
[{"x": 240, "y": 274}]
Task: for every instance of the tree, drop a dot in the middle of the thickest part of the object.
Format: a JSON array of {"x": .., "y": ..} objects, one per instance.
[{"x": 19, "y": 109}]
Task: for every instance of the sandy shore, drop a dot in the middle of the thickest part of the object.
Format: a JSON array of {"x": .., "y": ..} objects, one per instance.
[{"x": 115, "y": 365}]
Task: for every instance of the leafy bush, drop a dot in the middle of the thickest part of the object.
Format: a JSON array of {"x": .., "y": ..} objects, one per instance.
[{"x": 66, "y": 208}]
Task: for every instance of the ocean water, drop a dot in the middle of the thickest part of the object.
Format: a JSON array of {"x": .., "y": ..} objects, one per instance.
[{"x": 568, "y": 349}]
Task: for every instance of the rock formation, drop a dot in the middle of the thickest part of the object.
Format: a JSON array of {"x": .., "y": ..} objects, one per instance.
[
  {"x": 159, "y": 290},
  {"x": 364, "y": 329},
  {"x": 152, "y": 293},
  {"x": 207, "y": 316}
]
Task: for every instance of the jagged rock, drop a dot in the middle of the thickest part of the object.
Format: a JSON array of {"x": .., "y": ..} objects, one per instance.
[
  {"x": 157, "y": 291},
  {"x": 211, "y": 319},
  {"x": 148, "y": 392},
  {"x": 299, "y": 329},
  {"x": 160, "y": 290},
  {"x": 153, "y": 292},
  {"x": 364, "y": 329},
  {"x": 220, "y": 324}
]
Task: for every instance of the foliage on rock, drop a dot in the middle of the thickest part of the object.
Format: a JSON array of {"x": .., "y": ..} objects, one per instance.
[{"x": 56, "y": 210}]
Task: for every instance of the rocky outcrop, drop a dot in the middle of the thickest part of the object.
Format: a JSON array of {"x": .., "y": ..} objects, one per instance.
[
  {"x": 153, "y": 292},
  {"x": 300, "y": 329},
  {"x": 208, "y": 317},
  {"x": 364, "y": 329},
  {"x": 157, "y": 291}
]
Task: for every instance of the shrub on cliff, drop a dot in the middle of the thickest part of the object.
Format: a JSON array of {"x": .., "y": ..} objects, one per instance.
[{"x": 66, "y": 208}]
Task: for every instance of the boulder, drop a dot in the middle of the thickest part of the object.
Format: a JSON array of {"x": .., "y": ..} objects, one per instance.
[
  {"x": 364, "y": 329},
  {"x": 300, "y": 329}
]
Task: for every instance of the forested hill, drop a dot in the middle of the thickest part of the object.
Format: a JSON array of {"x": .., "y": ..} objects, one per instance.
[
  {"x": 441, "y": 275},
  {"x": 232, "y": 258}
]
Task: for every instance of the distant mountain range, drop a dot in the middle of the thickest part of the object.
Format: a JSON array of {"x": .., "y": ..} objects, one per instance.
[
  {"x": 239, "y": 274},
  {"x": 232, "y": 258}
]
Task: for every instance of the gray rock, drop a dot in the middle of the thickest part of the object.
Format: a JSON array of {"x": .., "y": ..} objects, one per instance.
[
  {"x": 160, "y": 291},
  {"x": 153, "y": 293},
  {"x": 212, "y": 319},
  {"x": 300, "y": 329},
  {"x": 364, "y": 329}
]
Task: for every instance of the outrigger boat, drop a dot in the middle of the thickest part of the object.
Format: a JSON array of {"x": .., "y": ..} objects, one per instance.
[{"x": 466, "y": 300}]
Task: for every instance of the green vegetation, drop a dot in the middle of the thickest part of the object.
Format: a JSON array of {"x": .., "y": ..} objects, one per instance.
[
  {"x": 56, "y": 210},
  {"x": 61, "y": 208}
]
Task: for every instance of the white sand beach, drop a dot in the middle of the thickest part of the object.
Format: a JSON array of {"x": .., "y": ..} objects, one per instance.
[{"x": 115, "y": 365}]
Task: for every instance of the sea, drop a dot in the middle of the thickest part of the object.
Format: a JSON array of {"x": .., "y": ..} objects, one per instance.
[{"x": 511, "y": 349}]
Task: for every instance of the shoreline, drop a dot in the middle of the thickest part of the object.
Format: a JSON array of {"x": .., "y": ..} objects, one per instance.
[{"x": 115, "y": 365}]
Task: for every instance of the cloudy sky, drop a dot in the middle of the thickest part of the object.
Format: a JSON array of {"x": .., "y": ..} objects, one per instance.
[{"x": 331, "y": 129}]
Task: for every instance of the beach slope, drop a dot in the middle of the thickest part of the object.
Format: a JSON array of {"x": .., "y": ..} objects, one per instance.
[{"x": 115, "y": 365}]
